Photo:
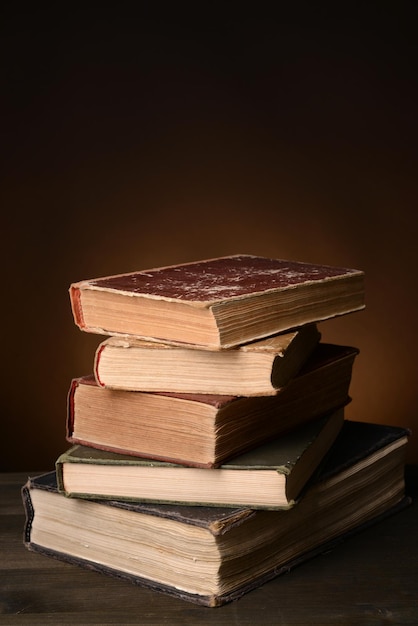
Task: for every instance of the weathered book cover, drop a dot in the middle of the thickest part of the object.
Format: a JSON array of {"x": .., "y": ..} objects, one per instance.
[
  {"x": 361, "y": 481},
  {"x": 270, "y": 476},
  {"x": 217, "y": 303}
]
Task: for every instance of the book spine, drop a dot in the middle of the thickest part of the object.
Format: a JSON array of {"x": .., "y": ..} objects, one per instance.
[
  {"x": 96, "y": 362},
  {"x": 29, "y": 513},
  {"x": 70, "y": 408},
  {"x": 75, "y": 300}
]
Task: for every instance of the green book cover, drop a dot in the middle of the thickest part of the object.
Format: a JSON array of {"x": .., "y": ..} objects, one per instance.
[{"x": 269, "y": 476}]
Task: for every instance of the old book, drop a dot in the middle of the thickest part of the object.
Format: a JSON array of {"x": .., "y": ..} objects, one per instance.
[
  {"x": 258, "y": 368},
  {"x": 216, "y": 303},
  {"x": 270, "y": 476},
  {"x": 212, "y": 555},
  {"x": 202, "y": 429}
]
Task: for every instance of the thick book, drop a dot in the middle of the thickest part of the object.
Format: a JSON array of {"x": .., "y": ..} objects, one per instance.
[
  {"x": 210, "y": 555},
  {"x": 270, "y": 476},
  {"x": 257, "y": 368},
  {"x": 217, "y": 303},
  {"x": 201, "y": 429}
]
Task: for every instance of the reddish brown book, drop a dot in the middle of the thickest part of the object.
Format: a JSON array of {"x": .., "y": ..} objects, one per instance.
[
  {"x": 201, "y": 429},
  {"x": 217, "y": 303}
]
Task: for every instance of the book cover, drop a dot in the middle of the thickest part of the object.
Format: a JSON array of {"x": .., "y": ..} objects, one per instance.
[
  {"x": 270, "y": 476},
  {"x": 258, "y": 368},
  {"x": 205, "y": 430},
  {"x": 212, "y": 555},
  {"x": 216, "y": 303}
]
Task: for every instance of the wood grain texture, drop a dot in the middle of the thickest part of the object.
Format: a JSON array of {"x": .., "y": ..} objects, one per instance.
[{"x": 368, "y": 579}]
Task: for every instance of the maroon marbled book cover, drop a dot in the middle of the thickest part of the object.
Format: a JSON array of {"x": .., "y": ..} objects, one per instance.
[
  {"x": 220, "y": 279},
  {"x": 217, "y": 303}
]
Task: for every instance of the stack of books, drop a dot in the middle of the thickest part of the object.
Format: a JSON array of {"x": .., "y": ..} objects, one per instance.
[{"x": 209, "y": 446}]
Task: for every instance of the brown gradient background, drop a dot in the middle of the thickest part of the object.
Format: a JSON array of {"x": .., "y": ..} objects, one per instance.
[{"x": 134, "y": 141}]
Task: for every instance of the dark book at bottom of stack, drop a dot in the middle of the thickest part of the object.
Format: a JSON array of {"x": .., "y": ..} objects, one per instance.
[{"x": 212, "y": 555}]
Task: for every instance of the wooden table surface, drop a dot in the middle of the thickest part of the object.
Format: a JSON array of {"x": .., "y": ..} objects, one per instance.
[{"x": 370, "y": 579}]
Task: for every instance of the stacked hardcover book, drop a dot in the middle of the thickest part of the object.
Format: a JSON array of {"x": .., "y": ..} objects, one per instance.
[{"x": 209, "y": 447}]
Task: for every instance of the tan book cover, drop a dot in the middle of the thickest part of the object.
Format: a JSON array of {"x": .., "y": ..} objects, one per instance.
[{"x": 258, "y": 368}]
